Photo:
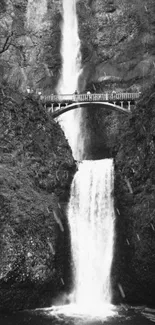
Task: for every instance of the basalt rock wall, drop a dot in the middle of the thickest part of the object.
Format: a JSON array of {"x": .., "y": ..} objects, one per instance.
[
  {"x": 120, "y": 56},
  {"x": 117, "y": 43},
  {"x": 36, "y": 170},
  {"x": 134, "y": 259},
  {"x": 30, "y": 43}
]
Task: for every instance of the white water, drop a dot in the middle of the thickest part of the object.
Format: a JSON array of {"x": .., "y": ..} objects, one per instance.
[
  {"x": 70, "y": 49},
  {"x": 71, "y": 69},
  {"x": 90, "y": 210},
  {"x": 91, "y": 220}
]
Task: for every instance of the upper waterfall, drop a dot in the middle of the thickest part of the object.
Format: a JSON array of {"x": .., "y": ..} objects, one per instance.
[
  {"x": 70, "y": 50},
  {"x": 71, "y": 69}
]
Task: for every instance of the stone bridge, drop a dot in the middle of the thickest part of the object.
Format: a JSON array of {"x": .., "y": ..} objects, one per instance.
[{"x": 59, "y": 104}]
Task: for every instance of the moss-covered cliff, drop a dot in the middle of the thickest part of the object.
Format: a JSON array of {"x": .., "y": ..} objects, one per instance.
[{"x": 36, "y": 169}]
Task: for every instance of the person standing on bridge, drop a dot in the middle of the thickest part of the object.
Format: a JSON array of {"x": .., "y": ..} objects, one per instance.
[
  {"x": 89, "y": 95},
  {"x": 75, "y": 96},
  {"x": 114, "y": 94}
]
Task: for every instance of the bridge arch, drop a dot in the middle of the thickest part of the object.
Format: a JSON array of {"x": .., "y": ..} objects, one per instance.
[{"x": 69, "y": 107}]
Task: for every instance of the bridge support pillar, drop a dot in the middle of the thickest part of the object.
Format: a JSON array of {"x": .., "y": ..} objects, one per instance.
[
  {"x": 121, "y": 104},
  {"x": 50, "y": 109},
  {"x": 129, "y": 105}
]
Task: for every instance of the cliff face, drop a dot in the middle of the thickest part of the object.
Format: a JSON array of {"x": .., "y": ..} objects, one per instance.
[
  {"x": 117, "y": 43},
  {"x": 118, "y": 53},
  {"x": 30, "y": 42},
  {"x": 36, "y": 169},
  {"x": 134, "y": 262}
]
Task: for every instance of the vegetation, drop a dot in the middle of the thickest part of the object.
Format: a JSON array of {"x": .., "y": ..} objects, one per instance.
[
  {"x": 36, "y": 169},
  {"x": 135, "y": 202}
]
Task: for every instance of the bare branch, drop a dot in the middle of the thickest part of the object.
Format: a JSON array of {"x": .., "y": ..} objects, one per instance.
[{"x": 7, "y": 43}]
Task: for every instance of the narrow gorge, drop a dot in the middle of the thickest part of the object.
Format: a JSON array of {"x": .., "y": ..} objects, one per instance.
[{"x": 77, "y": 193}]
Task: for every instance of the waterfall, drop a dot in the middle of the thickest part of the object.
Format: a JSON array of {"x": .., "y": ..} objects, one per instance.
[
  {"x": 71, "y": 69},
  {"x": 90, "y": 210},
  {"x": 91, "y": 220},
  {"x": 70, "y": 50}
]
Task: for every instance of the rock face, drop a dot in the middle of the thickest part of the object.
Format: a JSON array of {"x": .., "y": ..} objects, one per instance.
[
  {"x": 134, "y": 262},
  {"x": 30, "y": 43},
  {"x": 117, "y": 43},
  {"x": 117, "y": 46},
  {"x": 36, "y": 169},
  {"x": 118, "y": 53}
]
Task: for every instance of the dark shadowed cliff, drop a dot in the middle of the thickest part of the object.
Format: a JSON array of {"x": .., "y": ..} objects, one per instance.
[
  {"x": 36, "y": 169},
  {"x": 134, "y": 263}
]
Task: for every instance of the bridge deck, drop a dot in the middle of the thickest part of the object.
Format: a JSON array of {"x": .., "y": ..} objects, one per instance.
[
  {"x": 70, "y": 98},
  {"x": 64, "y": 109}
]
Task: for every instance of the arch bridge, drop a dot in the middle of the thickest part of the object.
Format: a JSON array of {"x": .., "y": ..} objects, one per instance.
[{"x": 59, "y": 104}]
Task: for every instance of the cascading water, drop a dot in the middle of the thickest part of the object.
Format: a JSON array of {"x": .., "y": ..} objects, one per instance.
[
  {"x": 90, "y": 210},
  {"x": 70, "y": 50},
  {"x": 71, "y": 69},
  {"x": 91, "y": 220}
]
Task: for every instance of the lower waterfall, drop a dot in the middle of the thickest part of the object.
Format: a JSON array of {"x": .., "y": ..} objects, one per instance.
[
  {"x": 91, "y": 221},
  {"x": 90, "y": 209}
]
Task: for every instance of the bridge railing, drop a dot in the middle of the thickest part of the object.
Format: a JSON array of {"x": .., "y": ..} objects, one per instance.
[
  {"x": 90, "y": 97},
  {"x": 123, "y": 96},
  {"x": 57, "y": 98},
  {"x": 113, "y": 96}
]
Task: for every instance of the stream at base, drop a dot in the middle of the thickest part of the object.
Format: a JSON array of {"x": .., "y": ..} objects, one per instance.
[{"x": 124, "y": 315}]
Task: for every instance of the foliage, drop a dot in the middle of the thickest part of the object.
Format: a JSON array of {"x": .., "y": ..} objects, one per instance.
[
  {"x": 135, "y": 205},
  {"x": 36, "y": 169}
]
